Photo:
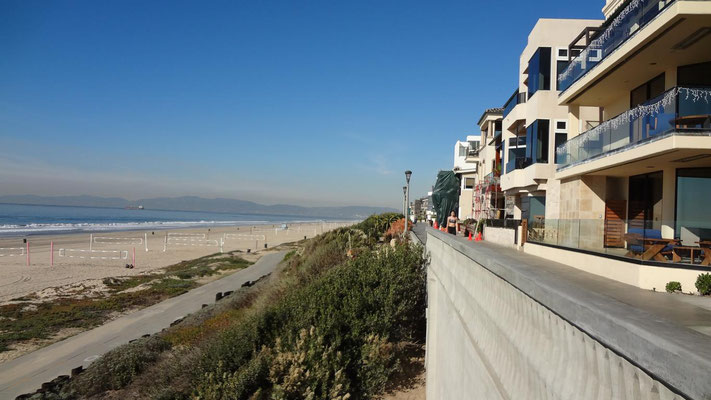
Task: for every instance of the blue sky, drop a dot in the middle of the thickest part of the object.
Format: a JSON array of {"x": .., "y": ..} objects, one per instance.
[{"x": 305, "y": 102}]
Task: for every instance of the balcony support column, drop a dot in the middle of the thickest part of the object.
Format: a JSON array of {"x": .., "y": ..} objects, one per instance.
[{"x": 668, "y": 202}]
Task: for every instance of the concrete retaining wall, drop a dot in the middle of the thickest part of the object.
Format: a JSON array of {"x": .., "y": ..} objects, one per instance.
[
  {"x": 498, "y": 329},
  {"x": 500, "y": 236}
]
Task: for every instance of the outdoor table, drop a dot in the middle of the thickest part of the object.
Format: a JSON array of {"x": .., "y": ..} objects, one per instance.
[
  {"x": 677, "y": 258},
  {"x": 706, "y": 248},
  {"x": 653, "y": 248},
  {"x": 689, "y": 120}
]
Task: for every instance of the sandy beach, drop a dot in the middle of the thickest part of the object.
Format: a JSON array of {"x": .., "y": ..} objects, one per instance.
[{"x": 81, "y": 257}]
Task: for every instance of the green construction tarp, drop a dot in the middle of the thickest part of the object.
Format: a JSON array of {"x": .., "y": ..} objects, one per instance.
[{"x": 445, "y": 196}]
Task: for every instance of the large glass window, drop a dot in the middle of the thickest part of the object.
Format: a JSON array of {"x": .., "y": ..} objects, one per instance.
[
  {"x": 694, "y": 75},
  {"x": 645, "y": 206},
  {"x": 647, "y": 91},
  {"x": 533, "y": 209},
  {"x": 537, "y": 135},
  {"x": 560, "y": 138},
  {"x": 539, "y": 71},
  {"x": 693, "y": 215}
]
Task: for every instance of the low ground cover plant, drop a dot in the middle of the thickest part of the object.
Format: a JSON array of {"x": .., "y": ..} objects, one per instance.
[
  {"x": 330, "y": 325},
  {"x": 26, "y": 319},
  {"x": 673, "y": 286}
]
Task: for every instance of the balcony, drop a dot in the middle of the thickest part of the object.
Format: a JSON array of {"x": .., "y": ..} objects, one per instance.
[
  {"x": 517, "y": 163},
  {"x": 516, "y": 98},
  {"x": 682, "y": 110},
  {"x": 626, "y": 24}
]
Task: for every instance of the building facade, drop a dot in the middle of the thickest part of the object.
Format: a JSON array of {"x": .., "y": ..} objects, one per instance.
[
  {"x": 488, "y": 196},
  {"x": 466, "y": 166},
  {"x": 644, "y": 172},
  {"x": 534, "y": 124}
]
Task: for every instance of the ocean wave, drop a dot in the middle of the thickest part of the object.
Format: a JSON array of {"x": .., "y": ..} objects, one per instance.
[{"x": 38, "y": 228}]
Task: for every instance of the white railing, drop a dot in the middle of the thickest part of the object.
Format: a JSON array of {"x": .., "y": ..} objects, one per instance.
[{"x": 94, "y": 254}]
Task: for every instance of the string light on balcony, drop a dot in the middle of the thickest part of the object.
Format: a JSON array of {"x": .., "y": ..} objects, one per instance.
[
  {"x": 593, "y": 135},
  {"x": 604, "y": 36}
]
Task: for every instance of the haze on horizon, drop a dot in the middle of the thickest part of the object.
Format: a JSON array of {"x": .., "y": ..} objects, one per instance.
[{"x": 315, "y": 104}]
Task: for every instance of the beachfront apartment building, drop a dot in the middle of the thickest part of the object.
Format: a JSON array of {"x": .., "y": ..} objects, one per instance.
[
  {"x": 488, "y": 197},
  {"x": 534, "y": 124},
  {"x": 634, "y": 180},
  {"x": 466, "y": 166}
]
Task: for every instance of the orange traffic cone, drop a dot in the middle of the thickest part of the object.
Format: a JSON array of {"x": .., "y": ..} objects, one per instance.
[
  {"x": 470, "y": 236},
  {"x": 435, "y": 225},
  {"x": 478, "y": 237}
]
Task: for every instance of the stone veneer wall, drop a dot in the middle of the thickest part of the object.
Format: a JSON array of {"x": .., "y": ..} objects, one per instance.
[{"x": 582, "y": 213}]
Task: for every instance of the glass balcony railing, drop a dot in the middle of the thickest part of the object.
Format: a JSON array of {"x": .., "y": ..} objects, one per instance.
[
  {"x": 677, "y": 110},
  {"x": 517, "y": 163},
  {"x": 627, "y": 22},
  {"x": 516, "y": 98}
]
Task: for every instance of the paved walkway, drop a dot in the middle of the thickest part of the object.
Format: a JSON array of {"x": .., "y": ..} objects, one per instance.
[
  {"x": 693, "y": 312},
  {"x": 27, "y": 373}
]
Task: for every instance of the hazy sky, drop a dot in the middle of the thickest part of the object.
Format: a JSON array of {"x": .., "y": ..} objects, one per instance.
[{"x": 307, "y": 102}]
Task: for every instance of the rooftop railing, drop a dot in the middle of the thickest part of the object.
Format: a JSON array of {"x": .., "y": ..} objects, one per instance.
[
  {"x": 677, "y": 110},
  {"x": 628, "y": 22}
]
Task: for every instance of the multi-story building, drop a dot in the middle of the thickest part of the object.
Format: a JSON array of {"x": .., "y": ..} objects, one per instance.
[
  {"x": 645, "y": 170},
  {"x": 466, "y": 163},
  {"x": 533, "y": 122},
  {"x": 488, "y": 197}
]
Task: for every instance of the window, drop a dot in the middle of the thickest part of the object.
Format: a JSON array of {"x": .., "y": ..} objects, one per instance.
[
  {"x": 539, "y": 71},
  {"x": 692, "y": 194},
  {"x": 561, "y": 61},
  {"x": 561, "y": 136},
  {"x": 462, "y": 151},
  {"x": 694, "y": 75},
  {"x": 647, "y": 91},
  {"x": 537, "y": 136},
  {"x": 645, "y": 201},
  {"x": 469, "y": 183}
]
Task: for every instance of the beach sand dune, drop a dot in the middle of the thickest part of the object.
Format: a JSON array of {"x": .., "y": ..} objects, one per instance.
[{"x": 72, "y": 264}]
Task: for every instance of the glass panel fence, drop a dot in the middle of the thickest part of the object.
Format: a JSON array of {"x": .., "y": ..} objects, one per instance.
[{"x": 635, "y": 239}]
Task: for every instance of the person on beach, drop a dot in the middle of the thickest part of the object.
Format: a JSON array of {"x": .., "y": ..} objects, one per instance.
[{"x": 452, "y": 223}]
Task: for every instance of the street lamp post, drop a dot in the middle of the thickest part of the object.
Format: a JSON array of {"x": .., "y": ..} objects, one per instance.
[
  {"x": 408, "y": 173},
  {"x": 404, "y": 200}
]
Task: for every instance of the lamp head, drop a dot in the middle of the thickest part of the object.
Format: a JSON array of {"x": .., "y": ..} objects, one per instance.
[{"x": 408, "y": 174}]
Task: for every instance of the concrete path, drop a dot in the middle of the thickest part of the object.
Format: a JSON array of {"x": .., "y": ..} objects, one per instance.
[{"x": 27, "y": 373}]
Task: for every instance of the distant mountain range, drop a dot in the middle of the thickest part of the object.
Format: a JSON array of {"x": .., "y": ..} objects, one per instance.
[{"x": 193, "y": 203}]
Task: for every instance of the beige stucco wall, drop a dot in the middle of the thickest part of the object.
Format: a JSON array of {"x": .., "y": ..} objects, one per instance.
[{"x": 501, "y": 236}]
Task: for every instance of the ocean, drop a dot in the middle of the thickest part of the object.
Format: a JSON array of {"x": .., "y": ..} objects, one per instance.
[{"x": 25, "y": 220}]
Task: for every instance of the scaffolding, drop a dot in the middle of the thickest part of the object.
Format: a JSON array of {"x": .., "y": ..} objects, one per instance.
[{"x": 488, "y": 198}]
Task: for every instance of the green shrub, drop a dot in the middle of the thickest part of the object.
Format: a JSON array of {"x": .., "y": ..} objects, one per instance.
[
  {"x": 308, "y": 368},
  {"x": 378, "y": 362},
  {"x": 703, "y": 284},
  {"x": 673, "y": 286},
  {"x": 119, "y": 366}
]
